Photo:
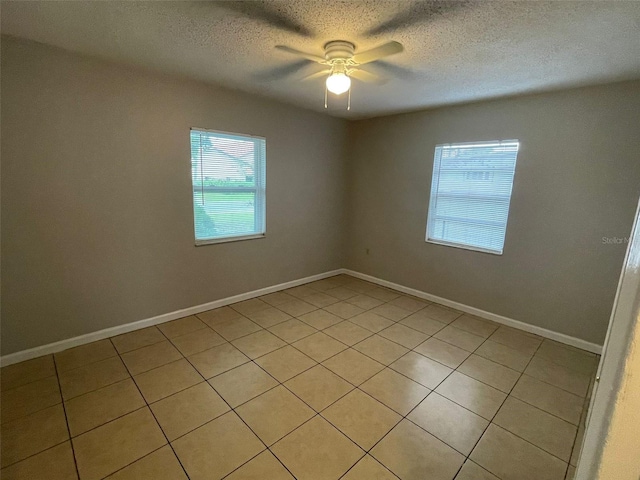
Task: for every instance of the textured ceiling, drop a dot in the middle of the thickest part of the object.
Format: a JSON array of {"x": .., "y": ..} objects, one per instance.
[{"x": 456, "y": 51}]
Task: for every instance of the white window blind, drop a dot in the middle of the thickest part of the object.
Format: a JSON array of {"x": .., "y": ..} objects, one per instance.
[
  {"x": 470, "y": 194},
  {"x": 228, "y": 177}
]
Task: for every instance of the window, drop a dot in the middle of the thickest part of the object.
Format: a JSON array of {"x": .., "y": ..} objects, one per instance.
[
  {"x": 470, "y": 194},
  {"x": 228, "y": 177}
]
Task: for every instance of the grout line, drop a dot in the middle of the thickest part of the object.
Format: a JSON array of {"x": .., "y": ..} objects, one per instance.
[{"x": 66, "y": 418}]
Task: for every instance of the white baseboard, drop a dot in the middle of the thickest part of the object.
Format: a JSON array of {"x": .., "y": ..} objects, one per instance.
[
  {"x": 543, "y": 332},
  {"x": 166, "y": 317}
]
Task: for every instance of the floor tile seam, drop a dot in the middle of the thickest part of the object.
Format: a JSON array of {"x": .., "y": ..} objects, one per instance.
[
  {"x": 2, "y": 392},
  {"x": 148, "y": 406}
]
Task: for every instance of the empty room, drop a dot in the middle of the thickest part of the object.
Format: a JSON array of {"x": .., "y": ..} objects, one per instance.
[{"x": 320, "y": 240}]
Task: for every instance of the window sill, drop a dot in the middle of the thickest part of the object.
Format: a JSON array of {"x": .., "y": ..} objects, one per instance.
[
  {"x": 211, "y": 241},
  {"x": 464, "y": 247}
]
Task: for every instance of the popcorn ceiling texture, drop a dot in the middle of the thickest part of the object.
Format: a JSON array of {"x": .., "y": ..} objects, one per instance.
[{"x": 454, "y": 51}]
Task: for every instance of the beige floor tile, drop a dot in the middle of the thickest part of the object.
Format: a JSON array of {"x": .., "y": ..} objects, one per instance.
[
  {"x": 324, "y": 284},
  {"x": 92, "y": 377},
  {"x": 348, "y": 333},
  {"x": 259, "y": 343},
  {"x": 181, "y": 326},
  {"x": 285, "y": 363},
  {"x": 32, "y": 397},
  {"x": 319, "y": 346},
  {"x": 380, "y": 349},
  {"x": 413, "y": 454},
  {"x": 341, "y": 293},
  {"x": 167, "y": 380},
  {"x": 459, "y": 338},
  {"x": 442, "y": 352},
  {"x": 503, "y": 355},
  {"x": 188, "y": 409},
  {"x": 456, "y": 426},
  {"x": 421, "y": 369},
  {"x": 103, "y": 405},
  {"x": 344, "y": 310},
  {"x": 198, "y": 341},
  {"x": 146, "y": 358},
  {"x": 318, "y": 387},
  {"x": 84, "y": 355},
  {"x": 276, "y": 298},
  {"x": 217, "y": 448},
  {"x": 511, "y": 458},
  {"x": 441, "y": 313},
  {"x": 361, "y": 418},
  {"x": 292, "y": 330},
  {"x": 403, "y": 335},
  {"x": 32, "y": 434},
  {"x": 369, "y": 469},
  {"x": 558, "y": 376},
  {"x": 571, "y": 472},
  {"x": 491, "y": 373},
  {"x": 26, "y": 372},
  {"x": 475, "y": 325},
  {"x": 473, "y": 471},
  {"x": 412, "y": 304},
  {"x": 364, "y": 301},
  {"x": 472, "y": 394},
  {"x": 53, "y": 464},
  {"x": 551, "y": 399},
  {"x": 391, "y": 312},
  {"x": 321, "y": 300},
  {"x": 317, "y": 451},
  {"x": 250, "y": 306},
  {"x": 297, "y": 307},
  {"x": 263, "y": 467},
  {"x": 577, "y": 446},
  {"x": 320, "y": 319},
  {"x": 380, "y": 293},
  {"x": 218, "y": 315},
  {"x": 137, "y": 339},
  {"x": 112, "y": 446},
  {"x": 353, "y": 366},
  {"x": 274, "y": 414},
  {"x": 524, "y": 342},
  {"x": 242, "y": 383},
  {"x": 395, "y": 391},
  {"x": 550, "y": 433},
  {"x": 371, "y": 321},
  {"x": 236, "y": 328},
  {"x": 423, "y": 323},
  {"x": 159, "y": 465},
  {"x": 217, "y": 360},
  {"x": 581, "y": 362},
  {"x": 269, "y": 317},
  {"x": 300, "y": 291}
]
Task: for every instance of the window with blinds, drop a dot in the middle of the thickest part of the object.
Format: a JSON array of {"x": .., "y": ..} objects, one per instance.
[
  {"x": 228, "y": 176},
  {"x": 470, "y": 194}
]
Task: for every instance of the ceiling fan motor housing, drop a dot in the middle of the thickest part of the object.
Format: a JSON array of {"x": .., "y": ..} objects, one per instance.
[{"x": 339, "y": 50}]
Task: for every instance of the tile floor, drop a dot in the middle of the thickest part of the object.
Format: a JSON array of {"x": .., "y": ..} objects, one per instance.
[{"x": 338, "y": 378}]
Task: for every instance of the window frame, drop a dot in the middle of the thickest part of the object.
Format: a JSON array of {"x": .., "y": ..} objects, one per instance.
[
  {"x": 260, "y": 191},
  {"x": 434, "y": 189}
]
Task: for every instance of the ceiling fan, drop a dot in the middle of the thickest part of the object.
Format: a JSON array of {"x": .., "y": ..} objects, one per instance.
[{"x": 343, "y": 63}]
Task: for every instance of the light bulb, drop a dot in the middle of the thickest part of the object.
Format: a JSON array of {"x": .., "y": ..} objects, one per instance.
[{"x": 338, "y": 83}]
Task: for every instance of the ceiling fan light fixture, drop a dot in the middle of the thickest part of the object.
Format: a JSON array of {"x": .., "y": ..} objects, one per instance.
[{"x": 338, "y": 83}]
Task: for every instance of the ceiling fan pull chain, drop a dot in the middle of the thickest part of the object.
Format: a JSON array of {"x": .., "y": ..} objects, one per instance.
[
  {"x": 349, "y": 101},
  {"x": 325, "y": 96}
]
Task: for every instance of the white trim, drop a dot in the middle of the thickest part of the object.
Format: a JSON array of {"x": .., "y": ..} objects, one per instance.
[
  {"x": 166, "y": 317},
  {"x": 148, "y": 322},
  {"x": 543, "y": 332}
]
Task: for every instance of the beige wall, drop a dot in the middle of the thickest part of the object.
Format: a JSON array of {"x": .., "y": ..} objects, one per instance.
[
  {"x": 577, "y": 180},
  {"x": 97, "y": 222}
]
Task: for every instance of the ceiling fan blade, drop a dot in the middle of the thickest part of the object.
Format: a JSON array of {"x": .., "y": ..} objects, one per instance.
[
  {"x": 281, "y": 72},
  {"x": 367, "y": 77},
  {"x": 261, "y": 11},
  {"x": 377, "y": 53},
  {"x": 308, "y": 56},
  {"x": 419, "y": 12},
  {"x": 393, "y": 69},
  {"x": 320, "y": 74}
]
